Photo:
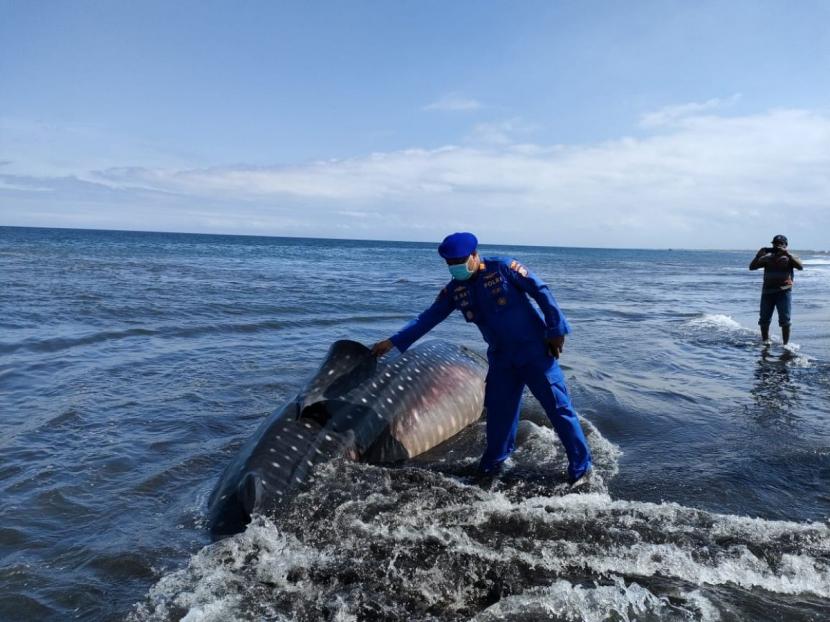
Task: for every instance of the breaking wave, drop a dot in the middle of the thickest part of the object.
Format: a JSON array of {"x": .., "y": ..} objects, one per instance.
[
  {"x": 366, "y": 542},
  {"x": 816, "y": 262},
  {"x": 718, "y": 321},
  {"x": 717, "y": 329}
]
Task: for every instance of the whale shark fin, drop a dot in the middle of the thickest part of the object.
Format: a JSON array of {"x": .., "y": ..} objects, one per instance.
[
  {"x": 249, "y": 493},
  {"x": 354, "y": 377},
  {"x": 347, "y": 365}
]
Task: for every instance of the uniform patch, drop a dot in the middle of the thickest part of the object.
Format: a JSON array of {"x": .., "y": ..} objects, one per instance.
[
  {"x": 469, "y": 315},
  {"x": 502, "y": 301},
  {"x": 493, "y": 280},
  {"x": 515, "y": 265}
]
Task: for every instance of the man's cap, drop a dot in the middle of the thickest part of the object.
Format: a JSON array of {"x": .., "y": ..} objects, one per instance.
[
  {"x": 458, "y": 245},
  {"x": 779, "y": 240}
]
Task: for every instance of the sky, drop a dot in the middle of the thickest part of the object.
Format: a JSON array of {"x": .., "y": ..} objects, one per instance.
[{"x": 558, "y": 123}]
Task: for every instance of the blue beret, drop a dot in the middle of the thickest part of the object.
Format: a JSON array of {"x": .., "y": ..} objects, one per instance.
[{"x": 458, "y": 245}]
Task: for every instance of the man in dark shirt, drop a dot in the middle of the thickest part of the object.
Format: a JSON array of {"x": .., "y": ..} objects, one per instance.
[{"x": 778, "y": 265}]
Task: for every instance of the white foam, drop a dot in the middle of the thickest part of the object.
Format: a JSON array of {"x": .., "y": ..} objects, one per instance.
[
  {"x": 790, "y": 353},
  {"x": 717, "y": 320},
  {"x": 734, "y": 563},
  {"x": 404, "y": 534},
  {"x": 564, "y": 601},
  {"x": 210, "y": 588}
]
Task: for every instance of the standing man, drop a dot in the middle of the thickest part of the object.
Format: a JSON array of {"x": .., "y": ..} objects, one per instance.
[
  {"x": 524, "y": 345},
  {"x": 777, "y": 292}
]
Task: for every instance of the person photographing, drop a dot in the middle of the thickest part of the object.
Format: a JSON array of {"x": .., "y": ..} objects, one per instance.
[{"x": 776, "y": 295}]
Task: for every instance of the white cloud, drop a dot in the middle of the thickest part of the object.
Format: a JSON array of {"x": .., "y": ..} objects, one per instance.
[
  {"x": 500, "y": 132},
  {"x": 710, "y": 181},
  {"x": 454, "y": 102},
  {"x": 671, "y": 115},
  {"x": 22, "y": 187}
]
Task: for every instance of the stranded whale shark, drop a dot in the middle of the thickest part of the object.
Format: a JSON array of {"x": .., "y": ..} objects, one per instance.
[{"x": 355, "y": 406}]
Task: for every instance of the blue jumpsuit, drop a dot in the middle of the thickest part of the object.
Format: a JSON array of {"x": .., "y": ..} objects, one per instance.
[{"x": 496, "y": 300}]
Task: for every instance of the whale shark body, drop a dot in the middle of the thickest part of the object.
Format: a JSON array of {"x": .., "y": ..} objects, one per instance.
[{"x": 355, "y": 406}]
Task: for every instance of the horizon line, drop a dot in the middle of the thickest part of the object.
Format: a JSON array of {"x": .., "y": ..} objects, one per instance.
[{"x": 335, "y": 239}]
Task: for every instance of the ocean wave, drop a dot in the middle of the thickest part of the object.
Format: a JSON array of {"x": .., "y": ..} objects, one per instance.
[
  {"x": 61, "y": 343},
  {"x": 57, "y": 344},
  {"x": 563, "y": 600},
  {"x": 717, "y": 329},
  {"x": 718, "y": 321},
  {"x": 402, "y": 544}
]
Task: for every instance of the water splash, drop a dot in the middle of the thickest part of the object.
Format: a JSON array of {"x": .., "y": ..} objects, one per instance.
[
  {"x": 718, "y": 321},
  {"x": 399, "y": 544}
]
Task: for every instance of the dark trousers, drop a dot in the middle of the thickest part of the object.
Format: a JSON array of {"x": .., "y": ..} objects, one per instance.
[{"x": 781, "y": 300}]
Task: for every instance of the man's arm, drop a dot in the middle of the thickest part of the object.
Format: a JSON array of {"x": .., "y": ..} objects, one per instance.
[
  {"x": 417, "y": 328},
  {"x": 555, "y": 323},
  {"x": 796, "y": 261},
  {"x": 758, "y": 260}
]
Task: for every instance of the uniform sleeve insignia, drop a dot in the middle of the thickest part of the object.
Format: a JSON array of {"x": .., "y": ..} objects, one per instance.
[{"x": 515, "y": 265}]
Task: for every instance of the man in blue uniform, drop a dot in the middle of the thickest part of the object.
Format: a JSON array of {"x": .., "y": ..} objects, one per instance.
[{"x": 524, "y": 345}]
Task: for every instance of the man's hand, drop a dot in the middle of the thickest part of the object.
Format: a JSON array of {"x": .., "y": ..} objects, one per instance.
[
  {"x": 763, "y": 251},
  {"x": 382, "y": 347},
  {"x": 556, "y": 345}
]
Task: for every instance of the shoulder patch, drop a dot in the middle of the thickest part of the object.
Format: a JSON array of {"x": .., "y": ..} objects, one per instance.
[{"x": 516, "y": 266}]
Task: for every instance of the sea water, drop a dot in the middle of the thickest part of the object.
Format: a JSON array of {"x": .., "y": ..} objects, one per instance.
[{"x": 134, "y": 365}]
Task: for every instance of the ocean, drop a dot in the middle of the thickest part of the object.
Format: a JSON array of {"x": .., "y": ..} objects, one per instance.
[{"x": 134, "y": 365}]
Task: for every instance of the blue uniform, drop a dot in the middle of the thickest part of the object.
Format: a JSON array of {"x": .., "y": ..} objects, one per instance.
[{"x": 496, "y": 300}]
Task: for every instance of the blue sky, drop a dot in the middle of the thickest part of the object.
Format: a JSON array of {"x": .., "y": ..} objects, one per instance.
[{"x": 648, "y": 124}]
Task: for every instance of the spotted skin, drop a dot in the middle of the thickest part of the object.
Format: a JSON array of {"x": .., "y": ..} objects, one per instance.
[{"x": 357, "y": 407}]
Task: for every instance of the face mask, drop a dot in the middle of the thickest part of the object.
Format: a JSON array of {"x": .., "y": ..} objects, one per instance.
[{"x": 460, "y": 272}]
